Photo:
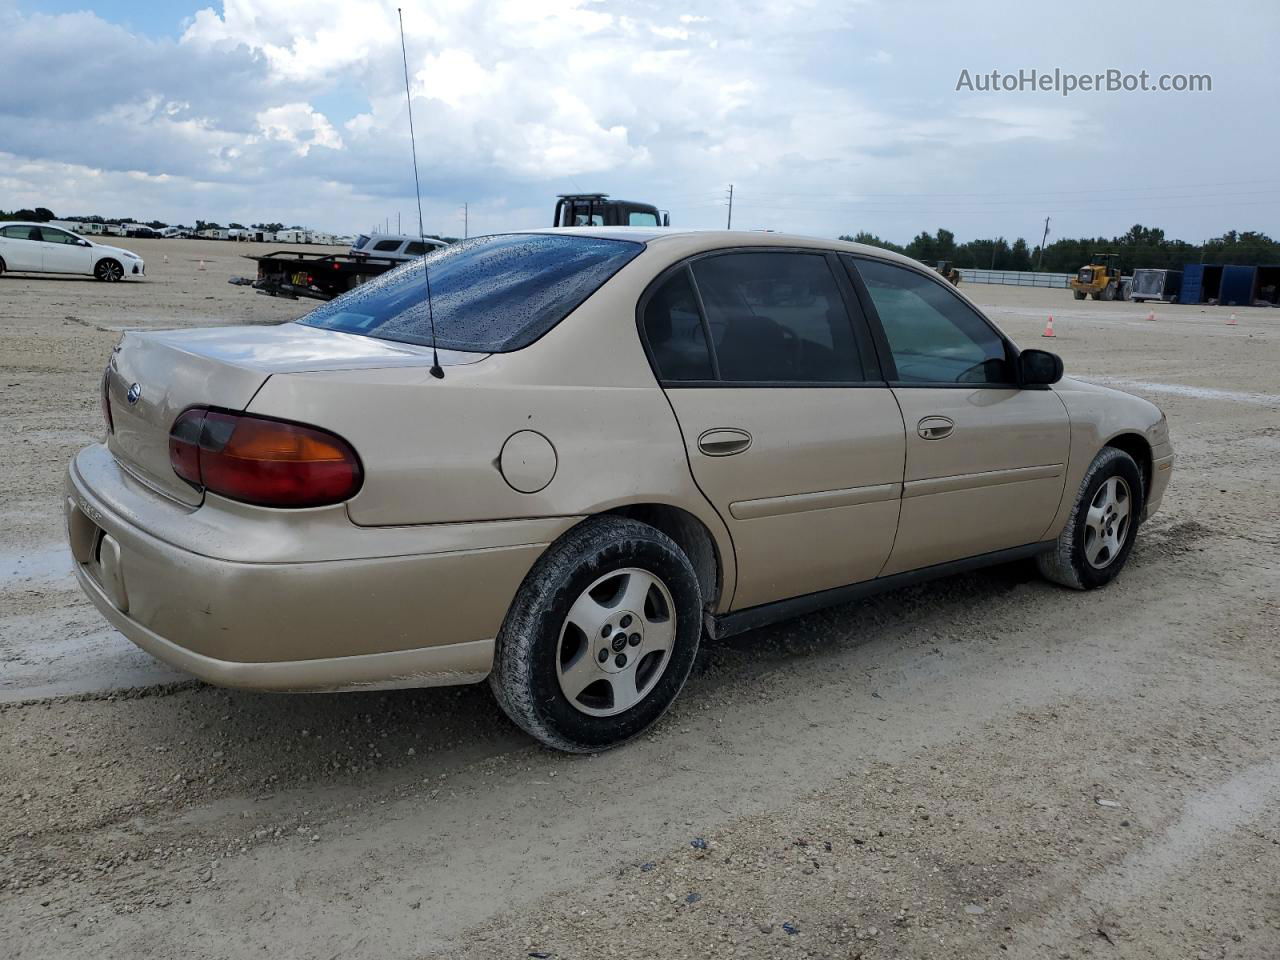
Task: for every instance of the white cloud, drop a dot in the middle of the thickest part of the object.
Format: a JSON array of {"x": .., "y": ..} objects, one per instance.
[
  {"x": 812, "y": 109},
  {"x": 299, "y": 125}
]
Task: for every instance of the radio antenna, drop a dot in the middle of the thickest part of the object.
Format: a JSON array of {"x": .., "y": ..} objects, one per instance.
[{"x": 436, "y": 370}]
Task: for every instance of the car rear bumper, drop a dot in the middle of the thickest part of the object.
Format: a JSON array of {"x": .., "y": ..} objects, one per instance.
[{"x": 380, "y": 611}]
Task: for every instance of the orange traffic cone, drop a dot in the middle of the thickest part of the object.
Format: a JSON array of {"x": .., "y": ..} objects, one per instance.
[
  {"x": 1048, "y": 328},
  {"x": 201, "y": 267},
  {"x": 1231, "y": 320},
  {"x": 1151, "y": 315}
]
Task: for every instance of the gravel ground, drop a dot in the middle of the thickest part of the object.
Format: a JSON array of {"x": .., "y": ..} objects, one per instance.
[{"x": 983, "y": 766}]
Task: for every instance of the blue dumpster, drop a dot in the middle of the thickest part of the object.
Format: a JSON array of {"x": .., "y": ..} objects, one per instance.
[
  {"x": 1239, "y": 286},
  {"x": 1201, "y": 282}
]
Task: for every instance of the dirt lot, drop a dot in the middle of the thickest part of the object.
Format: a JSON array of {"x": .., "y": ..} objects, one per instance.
[{"x": 984, "y": 766}]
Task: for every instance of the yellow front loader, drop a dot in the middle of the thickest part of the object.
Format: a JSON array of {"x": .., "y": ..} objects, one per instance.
[{"x": 1100, "y": 278}]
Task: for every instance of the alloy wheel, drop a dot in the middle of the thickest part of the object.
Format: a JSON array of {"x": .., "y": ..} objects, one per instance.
[
  {"x": 1107, "y": 523},
  {"x": 616, "y": 642}
]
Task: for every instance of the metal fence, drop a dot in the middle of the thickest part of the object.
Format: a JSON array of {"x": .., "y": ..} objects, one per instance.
[{"x": 1016, "y": 278}]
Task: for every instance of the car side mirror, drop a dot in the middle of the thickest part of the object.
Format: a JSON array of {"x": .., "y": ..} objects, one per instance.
[
  {"x": 1039, "y": 368},
  {"x": 85, "y": 243}
]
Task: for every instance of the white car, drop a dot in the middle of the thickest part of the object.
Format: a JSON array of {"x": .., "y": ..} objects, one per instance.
[
  {"x": 40, "y": 248},
  {"x": 394, "y": 246}
]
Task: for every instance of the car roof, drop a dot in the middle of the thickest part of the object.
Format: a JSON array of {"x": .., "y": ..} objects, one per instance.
[
  {"x": 399, "y": 236},
  {"x": 696, "y": 240}
]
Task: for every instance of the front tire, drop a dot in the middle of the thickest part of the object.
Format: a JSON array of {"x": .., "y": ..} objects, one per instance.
[
  {"x": 108, "y": 270},
  {"x": 600, "y": 638},
  {"x": 1098, "y": 537},
  {"x": 1078, "y": 294}
]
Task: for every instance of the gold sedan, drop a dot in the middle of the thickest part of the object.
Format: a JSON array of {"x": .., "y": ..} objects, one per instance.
[{"x": 582, "y": 451}]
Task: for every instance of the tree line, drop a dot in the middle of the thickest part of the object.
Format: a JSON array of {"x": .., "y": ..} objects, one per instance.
[{"x": 1138, "y": 247}]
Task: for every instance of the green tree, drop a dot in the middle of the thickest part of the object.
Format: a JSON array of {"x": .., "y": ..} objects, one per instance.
[{"x": 871, "y": 240}]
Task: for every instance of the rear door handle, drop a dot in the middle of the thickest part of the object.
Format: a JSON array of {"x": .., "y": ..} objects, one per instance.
[
  {"x": 935, "y": 428},
  {"x": 724, "y": 441}
]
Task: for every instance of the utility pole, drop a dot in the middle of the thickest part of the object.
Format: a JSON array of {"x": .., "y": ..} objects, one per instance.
[
  {"x": 729, "y": 225},
  {"x": 397, "y": 221},
  {"x": 466, "y": 220},
  {"x": 1040, "y": 259}
]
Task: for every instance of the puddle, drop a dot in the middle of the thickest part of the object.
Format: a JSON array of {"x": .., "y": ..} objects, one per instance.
[
  {"x": 71, "y": 650},
  {"x": 78, "y": 437},
  {"x": 23, "y": 566},
  {"x": 1182, "y": 390}
]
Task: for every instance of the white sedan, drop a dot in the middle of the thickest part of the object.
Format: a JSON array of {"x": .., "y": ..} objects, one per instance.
[{"x": 40, "y": 248}]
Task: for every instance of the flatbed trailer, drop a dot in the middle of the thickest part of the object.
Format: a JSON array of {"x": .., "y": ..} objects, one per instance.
[{"x": 317, "y": 276}]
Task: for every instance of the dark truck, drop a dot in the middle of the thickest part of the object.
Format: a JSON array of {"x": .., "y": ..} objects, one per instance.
[
  {"x": 323, "y": 276},
  {"x": 318, "y": 276},
  {"x": 597, "y": 210}
]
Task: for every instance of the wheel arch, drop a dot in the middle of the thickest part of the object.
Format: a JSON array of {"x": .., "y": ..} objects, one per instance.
[
  {"x": 105, "y": 258},
  {"x": 692, "y": 536},
  {"x": 1136, "y": 446}
]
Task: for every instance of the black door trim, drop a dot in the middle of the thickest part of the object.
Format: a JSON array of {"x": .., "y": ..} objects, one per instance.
[{"x": 740, "y": 621}]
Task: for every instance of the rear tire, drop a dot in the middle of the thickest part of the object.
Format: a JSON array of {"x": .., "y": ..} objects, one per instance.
[
  {"x": 600, "y": 638},
  {"x": 1098, "y": 537},
  {"x": 108, "y": 270}
]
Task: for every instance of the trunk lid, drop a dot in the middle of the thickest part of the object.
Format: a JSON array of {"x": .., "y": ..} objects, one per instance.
[{"x": 153, "y": 377}]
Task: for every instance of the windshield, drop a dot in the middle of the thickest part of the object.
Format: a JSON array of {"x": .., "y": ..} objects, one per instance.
[{"x": 488, "y": 295}]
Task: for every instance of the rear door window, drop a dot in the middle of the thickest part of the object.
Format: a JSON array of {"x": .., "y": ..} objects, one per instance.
[
  {"x": 489, "y": 295},
  {"x": 777, "y": 317},
  {"x": 384, "y": 246},
  {"x": 675, "y": 333},
  {"x": 20, "y": 233}
]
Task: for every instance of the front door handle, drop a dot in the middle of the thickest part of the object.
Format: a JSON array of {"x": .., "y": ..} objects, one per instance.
[
  {"x": 724, "y": 441},
  {"x": 935, "y": 428}
]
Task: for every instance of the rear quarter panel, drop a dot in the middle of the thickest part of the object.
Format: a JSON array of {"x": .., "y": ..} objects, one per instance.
[{"x": 430, "y": 448}]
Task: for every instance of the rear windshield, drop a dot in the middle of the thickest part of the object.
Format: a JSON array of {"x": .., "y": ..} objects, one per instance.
[{"x": 488, "y": 295}]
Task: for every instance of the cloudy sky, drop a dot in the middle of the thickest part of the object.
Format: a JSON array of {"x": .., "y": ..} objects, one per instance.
[{"x": 828, "y": 116}]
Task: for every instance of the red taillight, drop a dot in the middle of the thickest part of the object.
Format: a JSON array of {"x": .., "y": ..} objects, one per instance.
[
  {"x": 104, "y": 397},
  {"x": 270, "y": 463}
]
